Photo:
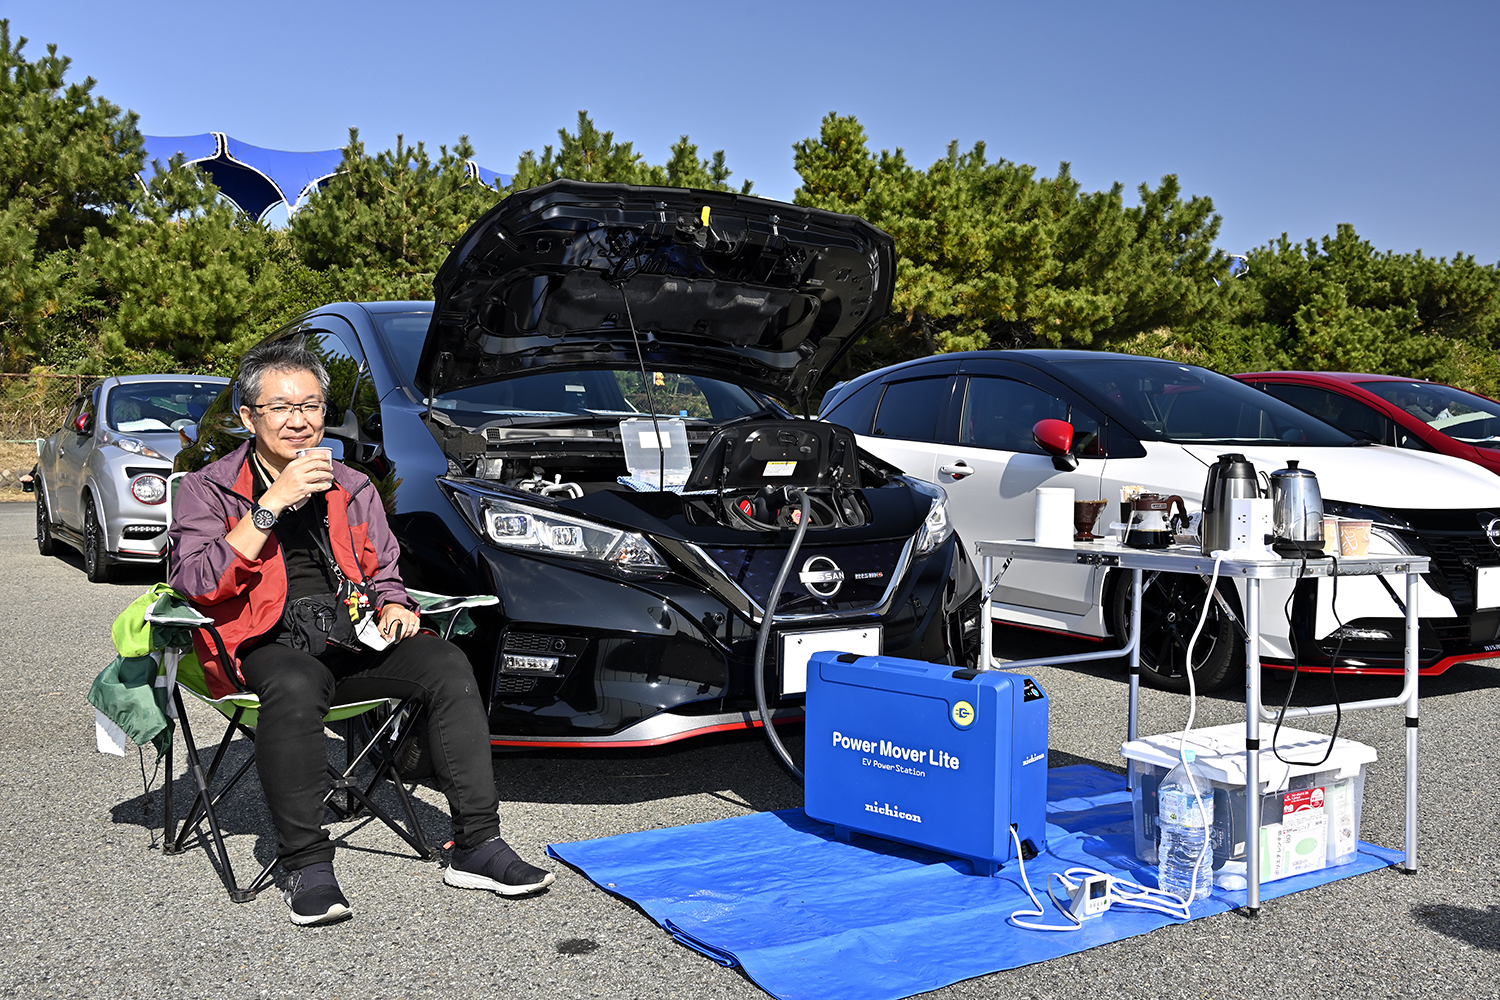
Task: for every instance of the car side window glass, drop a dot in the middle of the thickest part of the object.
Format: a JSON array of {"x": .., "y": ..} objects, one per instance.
[
  {"x": 1354, "y": 418},
  {"x": 344, "y": 366},
  {"x": 855, "y": 410},
  {"x": 75, "y": 412},
  {"x": 90, "y": 406},
  {"x": 1000, "y": 413},
  {"x": 910, "y": 410},
  {"x": 1407, "y": 439}
]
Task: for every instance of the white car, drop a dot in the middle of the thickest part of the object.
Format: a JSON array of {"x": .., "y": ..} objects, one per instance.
[{"x": 965, "y": 421}]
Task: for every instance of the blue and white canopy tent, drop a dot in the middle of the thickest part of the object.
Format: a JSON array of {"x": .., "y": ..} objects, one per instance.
[{"x": 257, "y": 179}]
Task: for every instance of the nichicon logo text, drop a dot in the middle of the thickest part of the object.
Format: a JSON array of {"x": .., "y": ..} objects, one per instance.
[{"x": 886, "y": 809}]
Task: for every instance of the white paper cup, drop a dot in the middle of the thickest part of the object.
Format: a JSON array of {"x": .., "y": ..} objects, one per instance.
[
  {"x": 327, "y": 453},
  {"x": 1054, "y": 516}
]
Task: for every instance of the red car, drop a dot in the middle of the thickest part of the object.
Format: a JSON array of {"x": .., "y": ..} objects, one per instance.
[{"x": 1402, "y": 412}]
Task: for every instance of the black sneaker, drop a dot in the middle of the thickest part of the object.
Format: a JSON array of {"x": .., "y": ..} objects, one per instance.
[
  {"x": 314, "y": 896},
  {"x": 493, "y": 865}
]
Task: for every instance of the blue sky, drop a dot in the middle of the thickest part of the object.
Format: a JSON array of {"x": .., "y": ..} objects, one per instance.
[{"x": 1293, "y": 117}]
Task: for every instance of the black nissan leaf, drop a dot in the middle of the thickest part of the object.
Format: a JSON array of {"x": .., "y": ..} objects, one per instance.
[{"x": 595, "y": 420}]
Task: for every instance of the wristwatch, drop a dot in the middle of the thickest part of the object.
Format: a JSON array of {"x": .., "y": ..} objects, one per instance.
[{"x": 263, "y": 519}]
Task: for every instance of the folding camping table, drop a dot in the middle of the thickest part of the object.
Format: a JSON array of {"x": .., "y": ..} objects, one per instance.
[{"x": 1189, "y": 560}]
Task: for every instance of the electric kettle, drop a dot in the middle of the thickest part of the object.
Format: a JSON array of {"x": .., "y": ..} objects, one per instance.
[
  {"x": 1231, "y": 477},
  {"x": 1297, "y": 510}
]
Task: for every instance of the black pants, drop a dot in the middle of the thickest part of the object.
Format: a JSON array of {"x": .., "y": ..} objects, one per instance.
[{"x": 296, "y": 691}]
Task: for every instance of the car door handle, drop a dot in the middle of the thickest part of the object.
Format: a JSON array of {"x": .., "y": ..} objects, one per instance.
[{"x": 957, "y": 470}]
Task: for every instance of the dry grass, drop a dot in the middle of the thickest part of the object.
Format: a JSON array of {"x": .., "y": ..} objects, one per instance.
[{"x": 19, "y": 457}]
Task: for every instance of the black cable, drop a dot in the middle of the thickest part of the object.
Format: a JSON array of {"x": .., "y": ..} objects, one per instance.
[
  {"x": 764, "y": 634},
  {"x": 661, "y": 448},
  {"x": 1291, "y": 631}
]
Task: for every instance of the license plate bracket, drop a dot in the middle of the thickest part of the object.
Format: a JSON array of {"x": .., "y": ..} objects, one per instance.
[
  {"x": 797, "y": 647},
  {"x": 1486, "y": 587}
]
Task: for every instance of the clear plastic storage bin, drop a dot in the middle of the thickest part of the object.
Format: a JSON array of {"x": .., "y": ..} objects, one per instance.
[
  {"x": 643, "y": 450},
  {"x": 1309, "y": 813}
]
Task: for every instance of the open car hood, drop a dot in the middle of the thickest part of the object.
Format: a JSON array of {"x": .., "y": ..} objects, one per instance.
[{"x": 760, "y": 293}]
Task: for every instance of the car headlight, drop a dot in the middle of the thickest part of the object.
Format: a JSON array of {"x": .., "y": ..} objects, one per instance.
[
  {"x": 135, "y": 446},
  {"x": 936, "y": 528},
  {"x": 149, "y": 489},
  {"x": 518, "y": 526}
]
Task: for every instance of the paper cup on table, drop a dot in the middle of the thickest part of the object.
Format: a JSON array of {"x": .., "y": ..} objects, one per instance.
[
  {"x": 1330, "y": 534},
  {"x": 1354, "y": 537},
  {"x": 1054, "y": 516}
]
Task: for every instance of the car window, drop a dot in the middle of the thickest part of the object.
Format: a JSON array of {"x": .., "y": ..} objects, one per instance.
[
  {"x": 910, "y": 410},
  {"x": 1461, "y": 415},
  {"x": 1354, "y": 418},
  {"x": 1186, "y": 404},
  {"x": 90, "y": 405},
  {"x": 74, "y": 411},
  {"x": 344, "y": 366},
  {"x": 1000, "y": 413},
  {"x": 855, "y": 410},
  {"x": 599, "y": 391},
  {"x": 141, "y": 407}
]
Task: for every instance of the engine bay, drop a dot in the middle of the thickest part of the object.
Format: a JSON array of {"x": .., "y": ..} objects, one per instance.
[{"x": 748, "y": 475}]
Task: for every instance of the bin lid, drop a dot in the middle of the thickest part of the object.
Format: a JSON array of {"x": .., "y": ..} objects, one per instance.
[{"x": 1221, "y": 754}]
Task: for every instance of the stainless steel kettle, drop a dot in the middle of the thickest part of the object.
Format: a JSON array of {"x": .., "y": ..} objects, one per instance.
[
  {"x": 1230, "y": 477},
  {"x": 1297, "y": 510}
]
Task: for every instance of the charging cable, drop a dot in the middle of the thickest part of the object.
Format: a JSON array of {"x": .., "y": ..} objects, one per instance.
[
  {"x": 763, "y": 635},
  {"x": 1090, "y": 893}
]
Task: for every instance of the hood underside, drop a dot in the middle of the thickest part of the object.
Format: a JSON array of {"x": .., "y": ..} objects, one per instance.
[{"x": 573, "y": 275}]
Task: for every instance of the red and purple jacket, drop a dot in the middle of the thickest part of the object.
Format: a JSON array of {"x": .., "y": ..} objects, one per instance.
[{"x": 246, "y": 597}]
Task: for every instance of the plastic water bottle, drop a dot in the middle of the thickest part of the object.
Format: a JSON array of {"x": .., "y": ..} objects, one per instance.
[{"x": 1185, "y": 819}]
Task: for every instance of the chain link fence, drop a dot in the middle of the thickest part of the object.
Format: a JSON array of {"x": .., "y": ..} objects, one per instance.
[{"x": 33, "y": 405}]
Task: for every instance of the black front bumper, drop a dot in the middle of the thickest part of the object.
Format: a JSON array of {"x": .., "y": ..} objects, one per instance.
[{"x": 650, "y": 660}]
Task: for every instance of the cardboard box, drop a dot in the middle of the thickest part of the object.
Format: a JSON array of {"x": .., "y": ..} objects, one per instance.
[{"x": 1310, "y": 812}]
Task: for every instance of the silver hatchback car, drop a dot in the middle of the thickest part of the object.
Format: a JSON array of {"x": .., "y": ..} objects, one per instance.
[{"x": 101, "y": 480}]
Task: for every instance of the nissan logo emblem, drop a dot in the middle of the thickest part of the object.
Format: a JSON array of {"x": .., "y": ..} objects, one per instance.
[
  {"x": 1492, "y": 530},
  {"x": 821, "y": 576}
]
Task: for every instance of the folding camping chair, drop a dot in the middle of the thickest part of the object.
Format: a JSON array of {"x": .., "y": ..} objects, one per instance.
[{"x": 381, "y": 750}]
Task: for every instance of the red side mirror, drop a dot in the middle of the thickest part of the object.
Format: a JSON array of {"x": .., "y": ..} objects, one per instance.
[
  {"x": 1054, "y": 437},
  {"x": 81, "y": 425}
]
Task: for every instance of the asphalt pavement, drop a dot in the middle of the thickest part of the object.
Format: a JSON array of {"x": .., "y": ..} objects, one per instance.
[{"x": 89, "y": 907}]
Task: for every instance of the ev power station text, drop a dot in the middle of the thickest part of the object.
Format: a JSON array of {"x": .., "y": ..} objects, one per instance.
[{"x": 885, "y": 748}]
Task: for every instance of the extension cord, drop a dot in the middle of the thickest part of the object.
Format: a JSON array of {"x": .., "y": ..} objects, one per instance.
[
  {"x": 1082, "y": 883},
  {"x": 1085, "y": 900}
]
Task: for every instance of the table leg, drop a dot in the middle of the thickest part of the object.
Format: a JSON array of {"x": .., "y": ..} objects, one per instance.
[
  {"x": 1135, "y": 653},
  {"x": 1413, "y": 639},
  {"x": 986, "y": 618},
  {"x": 1252, "y": 745}
]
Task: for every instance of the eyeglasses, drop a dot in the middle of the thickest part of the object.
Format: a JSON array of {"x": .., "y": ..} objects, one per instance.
[{"x": 313, "y": 410}]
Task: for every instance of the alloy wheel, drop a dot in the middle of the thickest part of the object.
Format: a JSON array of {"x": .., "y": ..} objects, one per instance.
[{"x": 95, "y": 561}]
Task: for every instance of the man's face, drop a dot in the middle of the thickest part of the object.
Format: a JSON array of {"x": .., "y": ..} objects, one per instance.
[{"x": 287, "y": 416}]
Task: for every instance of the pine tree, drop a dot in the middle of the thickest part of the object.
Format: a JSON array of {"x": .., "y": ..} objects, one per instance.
[
  {"x": 385, "y": 223},
  {"x": 592, "y": 155},
  {"x": 990, "y": 255}
]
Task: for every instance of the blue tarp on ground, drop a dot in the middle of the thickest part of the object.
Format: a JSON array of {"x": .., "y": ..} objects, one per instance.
[{"x": 808, "y": 916}]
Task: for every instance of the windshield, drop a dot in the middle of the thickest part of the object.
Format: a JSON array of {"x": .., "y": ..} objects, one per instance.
[
  {"x": 1461, "y": 415},
  {"x": 1186, "y": 404},
  {"x": 587, "y": 392},
  {"x": 139, "y": 407}
]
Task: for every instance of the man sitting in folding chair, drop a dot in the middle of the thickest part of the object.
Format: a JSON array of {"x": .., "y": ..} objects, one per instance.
[{"x": 284, "y": 549}]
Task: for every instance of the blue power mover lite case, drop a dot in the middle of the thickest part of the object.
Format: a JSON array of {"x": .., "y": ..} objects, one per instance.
[{"x": 925, "y": 754}]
